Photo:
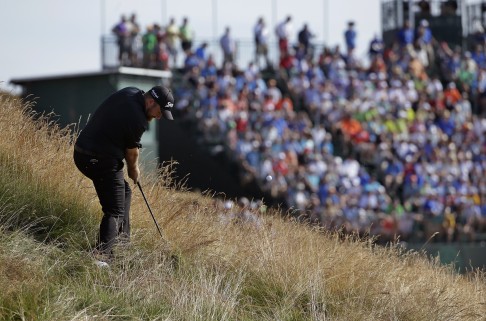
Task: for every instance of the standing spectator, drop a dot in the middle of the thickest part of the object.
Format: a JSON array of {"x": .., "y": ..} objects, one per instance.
[
  {"x": 185, "y": 33},
  {"x": 149, "y": 43},
  {"x": 163, "y": 55},
  {"x": 260, "y": 33},
  {"x": 424, "y": 38},
  {"x": 350, "y": 38},
  {"x": 160, "y": 47},
  {"x": 304, "y": 38},
  {"x": 123, "y": 40},
  {"x": 228, "y": 46},
  {"x": 283, "y": 32},
  {"x": 405, "y": 36},
  {"x": 424, "y": 33},
  {"x": 172, "y": 38},
  {"x": 133, "y": 29}
]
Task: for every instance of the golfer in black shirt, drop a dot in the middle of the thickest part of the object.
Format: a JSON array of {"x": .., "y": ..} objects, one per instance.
[{"x": 112, "y": 134}]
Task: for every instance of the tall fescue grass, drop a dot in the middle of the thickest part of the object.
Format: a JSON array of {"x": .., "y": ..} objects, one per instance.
[{"x": 205, "y": 268}]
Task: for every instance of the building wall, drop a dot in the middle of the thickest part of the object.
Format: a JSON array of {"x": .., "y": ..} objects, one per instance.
[
  {"x": 74, "y": 98},
  {"x": 464, "y": 256}
]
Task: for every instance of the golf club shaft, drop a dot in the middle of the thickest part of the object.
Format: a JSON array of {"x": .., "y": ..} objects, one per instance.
[{"x": 150, "y": 210}]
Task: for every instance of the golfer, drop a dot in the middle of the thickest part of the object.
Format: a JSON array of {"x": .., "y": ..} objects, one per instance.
[{"x": 112, "y": 134}]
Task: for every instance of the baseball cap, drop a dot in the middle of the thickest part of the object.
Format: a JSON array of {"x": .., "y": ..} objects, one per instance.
[{"x": 163, "y": 97}]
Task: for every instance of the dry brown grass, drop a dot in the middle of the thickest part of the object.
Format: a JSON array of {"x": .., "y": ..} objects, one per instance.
[{"x": 205, "y": 268}]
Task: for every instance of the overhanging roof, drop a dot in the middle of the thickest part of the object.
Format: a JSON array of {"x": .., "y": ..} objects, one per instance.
[{"x": 120, "y": 70}]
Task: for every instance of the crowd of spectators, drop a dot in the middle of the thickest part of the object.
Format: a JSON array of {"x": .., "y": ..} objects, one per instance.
[
  {"x": 395, "y": 147},
  {"x": 156, "y": 47}
]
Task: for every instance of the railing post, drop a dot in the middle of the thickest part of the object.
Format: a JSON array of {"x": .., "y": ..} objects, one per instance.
[{"x": 102, "y": 42}]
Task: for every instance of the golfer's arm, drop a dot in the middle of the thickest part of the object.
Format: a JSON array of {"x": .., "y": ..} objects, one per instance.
[{"x": 131, "y": 158}]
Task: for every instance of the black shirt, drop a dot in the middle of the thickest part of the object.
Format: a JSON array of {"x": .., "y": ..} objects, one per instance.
[{"x": 116, "y": 125}]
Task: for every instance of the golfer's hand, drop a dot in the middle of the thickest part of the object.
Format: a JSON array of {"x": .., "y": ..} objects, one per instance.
[
  {"x": 131, "y": 157},
  {"x": 134, "y": 174}
]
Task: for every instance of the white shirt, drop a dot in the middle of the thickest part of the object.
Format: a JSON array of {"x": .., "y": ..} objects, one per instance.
[
  {"x": 284, "y": 29},
  {"x": 261, "y": 33}
]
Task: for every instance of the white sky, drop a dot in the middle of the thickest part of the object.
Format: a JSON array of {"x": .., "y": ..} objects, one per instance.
[{"x": 53, "y": 37}]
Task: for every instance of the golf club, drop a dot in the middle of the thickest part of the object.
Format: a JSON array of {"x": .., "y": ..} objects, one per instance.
[{"x": 150, "y": 210}]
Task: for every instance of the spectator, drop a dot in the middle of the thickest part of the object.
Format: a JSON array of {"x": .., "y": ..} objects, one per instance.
[
  {"x": 405, "y": 36},
  {"x": 201, "y": 53},
  {"x": 451, "y": 95},
  {"x": 424, "y": 33},
  {"x": 287, "y": 62},
  {"x": 149, "y": 43},
  {"x": 376, "y": 47},
  {"x": 228, "y": 46},
  {"x": 163, "y": 54},
  {"x": 133, "y": 29},
  {"x": 123, "y": 40},
  {"x": 479, "y": 36},
  {"x": 261, "y": 34},
  {"x": 350, "y": 38},
  {"x": 424, "y": 39},
  {"x": 172, "y": 40},
  {"x": 186, "y": 35},
  {"x": 283, "y": 32},
  {"x": 246, "y": 214},
  {"x": 273, "y": 91},
  {"x": 161, "y": 48},
  {"x": 304, "y": 39}
]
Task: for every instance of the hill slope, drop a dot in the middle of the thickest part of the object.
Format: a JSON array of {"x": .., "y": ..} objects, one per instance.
[{"x": 208, "y": 267}]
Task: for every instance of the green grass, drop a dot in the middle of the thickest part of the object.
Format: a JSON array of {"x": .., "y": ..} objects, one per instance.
[{"x": 204, "y": 268}]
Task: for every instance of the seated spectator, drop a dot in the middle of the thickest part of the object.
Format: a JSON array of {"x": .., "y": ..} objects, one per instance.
[
  {"x": 351, "y": 128},
  {"x": 376, "y": 47}
]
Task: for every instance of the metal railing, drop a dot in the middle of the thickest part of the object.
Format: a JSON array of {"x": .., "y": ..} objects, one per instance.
[
  {"x": 245, "y": 53},
  {"x": 475, "y": 17}
]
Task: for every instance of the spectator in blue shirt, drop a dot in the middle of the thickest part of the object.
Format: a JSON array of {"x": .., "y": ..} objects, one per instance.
[
  {"x": 350, "y": 37},
  {"x": 405, "y": 35},
  {"x": 376, "y": 47},
  {"x": 201, "y": 51}
]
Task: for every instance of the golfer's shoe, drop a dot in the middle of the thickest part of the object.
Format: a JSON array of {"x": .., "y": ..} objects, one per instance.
[
  {"x": 101, "y": 264},
  {"x": 101, "y": 260}
]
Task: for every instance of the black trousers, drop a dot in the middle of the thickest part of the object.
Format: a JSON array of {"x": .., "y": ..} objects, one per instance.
[{"x": 114, "y": 194}]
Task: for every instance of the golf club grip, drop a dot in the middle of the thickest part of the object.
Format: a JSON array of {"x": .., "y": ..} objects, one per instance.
[{"x": 150, "y": 210}]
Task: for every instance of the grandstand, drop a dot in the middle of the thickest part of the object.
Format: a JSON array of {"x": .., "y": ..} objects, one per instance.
[{"x": 391, "y": 145}]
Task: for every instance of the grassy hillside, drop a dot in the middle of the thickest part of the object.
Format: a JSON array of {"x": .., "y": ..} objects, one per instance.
[{"x": 207, "y": 267}]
